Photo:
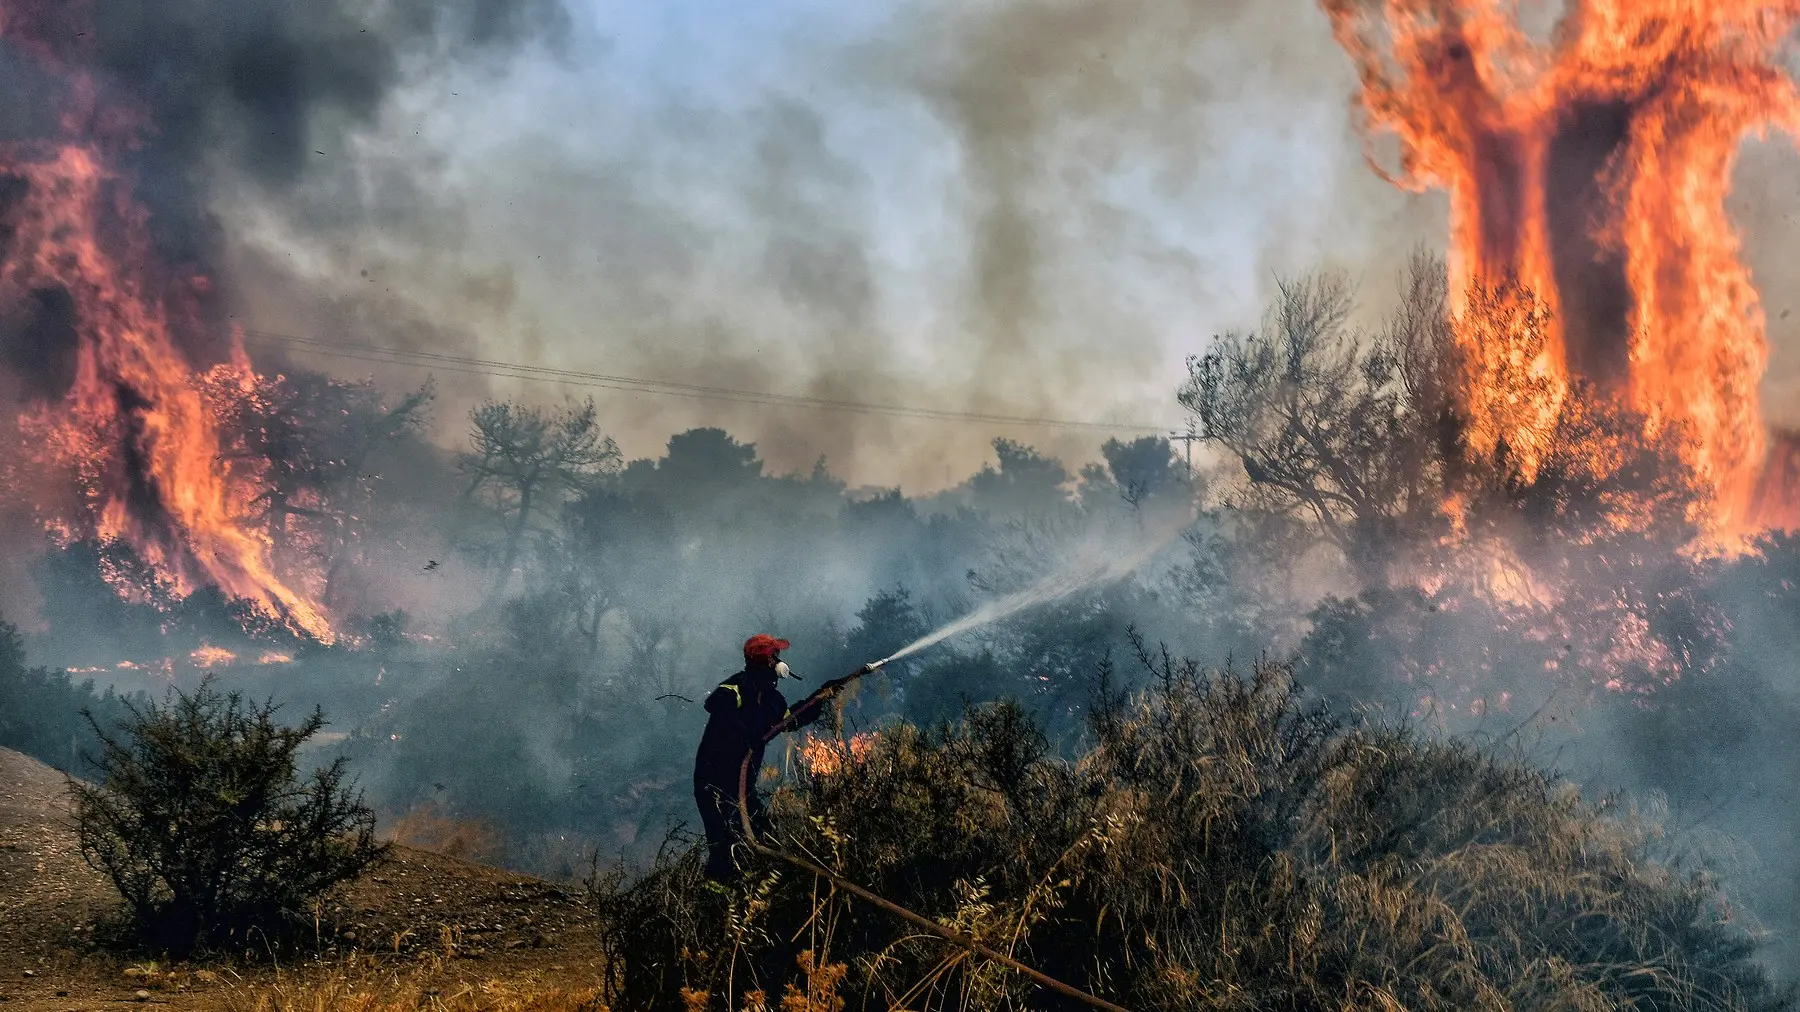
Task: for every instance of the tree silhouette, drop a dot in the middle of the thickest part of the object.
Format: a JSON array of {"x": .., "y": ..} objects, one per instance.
[{"x": 526, "y": 461}]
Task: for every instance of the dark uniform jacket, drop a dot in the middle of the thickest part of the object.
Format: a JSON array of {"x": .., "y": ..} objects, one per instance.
[{"x": 740, "y": 714}]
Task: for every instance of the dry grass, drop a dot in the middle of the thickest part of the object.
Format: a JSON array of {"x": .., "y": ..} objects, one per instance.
[
  {"x": 370, "y": 985},
  {"x": 429, "y": 827}
]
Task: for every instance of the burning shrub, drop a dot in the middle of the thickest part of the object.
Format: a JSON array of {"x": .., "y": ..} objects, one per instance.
[
  {"x": 203, "y": 822},
  {"x": 1219, "y": 844}
]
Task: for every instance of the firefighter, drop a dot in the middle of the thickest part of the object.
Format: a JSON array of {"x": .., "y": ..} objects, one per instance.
[{"x": 742, "y": 713}]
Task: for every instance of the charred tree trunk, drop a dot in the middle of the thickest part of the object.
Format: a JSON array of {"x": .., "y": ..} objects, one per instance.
[{"x": 515, "y": 539}]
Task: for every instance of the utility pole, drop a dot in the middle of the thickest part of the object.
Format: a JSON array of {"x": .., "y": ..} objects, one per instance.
[{"x": 1189, "y": 437}]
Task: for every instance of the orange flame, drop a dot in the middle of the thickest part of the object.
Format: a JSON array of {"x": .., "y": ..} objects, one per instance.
[
  {"x": 1592, "y": 170},
  {"x": 134, "y": 430},
  {"x": 824, "y": 757},
  {"x": 209, "y": 656},
  {"x": 1778, "y": 498}
]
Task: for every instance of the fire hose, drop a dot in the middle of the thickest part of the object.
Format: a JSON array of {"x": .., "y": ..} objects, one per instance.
[{"x": 951, "y": 935}]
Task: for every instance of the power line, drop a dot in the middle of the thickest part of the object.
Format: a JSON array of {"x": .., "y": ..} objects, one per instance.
[{"x": 513, "y": 370}]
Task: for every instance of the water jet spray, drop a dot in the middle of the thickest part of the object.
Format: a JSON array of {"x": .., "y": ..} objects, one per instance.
[{"x": 1097, "y": 569}]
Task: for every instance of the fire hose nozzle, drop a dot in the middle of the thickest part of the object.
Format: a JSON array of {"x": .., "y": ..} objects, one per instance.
[{"x": 875, "y": 666}]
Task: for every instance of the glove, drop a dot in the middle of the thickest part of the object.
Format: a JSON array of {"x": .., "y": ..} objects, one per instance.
[{"x": 832, "y": 687}]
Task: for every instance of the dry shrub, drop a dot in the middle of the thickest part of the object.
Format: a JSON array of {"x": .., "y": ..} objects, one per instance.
[
  {"x": 1218, "y": 845},
  {"x": 428, "y": 827}
]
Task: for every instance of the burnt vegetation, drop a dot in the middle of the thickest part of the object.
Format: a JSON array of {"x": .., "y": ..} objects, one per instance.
[{"x": 1162, "y": 836}]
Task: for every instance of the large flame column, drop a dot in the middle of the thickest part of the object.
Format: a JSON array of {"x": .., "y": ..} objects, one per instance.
[{"x": 1592, "y": 169}]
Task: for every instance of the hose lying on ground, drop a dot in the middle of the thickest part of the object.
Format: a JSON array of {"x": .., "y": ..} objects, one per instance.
[{"x": 951, "y": 935}]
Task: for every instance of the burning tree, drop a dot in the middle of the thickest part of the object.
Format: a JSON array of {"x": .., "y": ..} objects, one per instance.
[
  {"x": 1366, "y": 442},
  {"x": 1593, "y": 168},
  {"x": 306, "y": 441},
  {"x": 133, "y": 436},
  {"x": 121, "y": 444}
]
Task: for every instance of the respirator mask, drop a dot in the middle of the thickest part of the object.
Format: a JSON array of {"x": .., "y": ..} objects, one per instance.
[{"x": 783, "y": 671}]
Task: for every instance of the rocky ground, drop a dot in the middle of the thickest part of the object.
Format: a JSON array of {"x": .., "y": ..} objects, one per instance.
[{"x": 441, "y": 922}]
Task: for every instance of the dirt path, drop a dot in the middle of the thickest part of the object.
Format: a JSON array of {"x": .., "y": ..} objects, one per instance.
[
  {"x": 49, "y": 898},
  {"x": 418, "y": 914}
]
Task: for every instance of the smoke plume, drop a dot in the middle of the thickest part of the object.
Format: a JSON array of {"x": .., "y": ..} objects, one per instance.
[
  {"x": 267, "y": 91},
  {"x": 1027, "y": 209}
]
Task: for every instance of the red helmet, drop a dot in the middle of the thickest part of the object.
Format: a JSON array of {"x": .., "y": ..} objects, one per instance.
[{"x": 763, "y": 648}]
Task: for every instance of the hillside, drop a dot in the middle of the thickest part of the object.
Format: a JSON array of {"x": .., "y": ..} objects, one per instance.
[{"x": 422, "y": 923}]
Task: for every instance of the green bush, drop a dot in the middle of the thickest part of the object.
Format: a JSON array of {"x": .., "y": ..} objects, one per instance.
[
  {"x": 202, "y": 820},
  {"x": 1219, "y": 845}
]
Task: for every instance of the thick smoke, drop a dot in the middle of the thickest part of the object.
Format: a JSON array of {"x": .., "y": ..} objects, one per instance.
[
  {"x": 268, "y": 90},
  {"x": 954, "y": 206},
  {"x": 205, "y": 101},
  {"x": 1052, "y": 104},
  {"x": 1020, "y": 208},
  {"x": 1766, "y": 203}
]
